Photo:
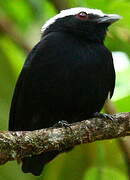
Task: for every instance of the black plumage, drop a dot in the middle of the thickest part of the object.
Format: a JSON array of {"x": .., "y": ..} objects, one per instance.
[{"x": 67, "y": 76}]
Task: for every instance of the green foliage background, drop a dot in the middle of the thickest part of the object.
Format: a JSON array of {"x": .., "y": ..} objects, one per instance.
[{"x": 20, "y": 23}]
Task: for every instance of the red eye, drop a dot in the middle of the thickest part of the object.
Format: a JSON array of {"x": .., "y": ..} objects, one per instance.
[{"x": 82, "y": 15}]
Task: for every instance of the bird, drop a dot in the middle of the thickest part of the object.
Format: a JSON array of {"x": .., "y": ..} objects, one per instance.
[{"x": 67, "y": 76}]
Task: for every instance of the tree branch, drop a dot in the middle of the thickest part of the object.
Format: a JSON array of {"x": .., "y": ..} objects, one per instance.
[
  {"x": 6, "y": 26},
  {"x": 59, "y": 5},
  {"x": 124, "y": 144},
  {"x": 19, "y": 144}
]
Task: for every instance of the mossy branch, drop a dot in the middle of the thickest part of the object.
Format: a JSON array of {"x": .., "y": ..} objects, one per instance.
[{"x": 19, "y": 144}]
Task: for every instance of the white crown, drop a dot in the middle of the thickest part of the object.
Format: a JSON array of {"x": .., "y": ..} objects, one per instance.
[{"x": 68, "y": 12}]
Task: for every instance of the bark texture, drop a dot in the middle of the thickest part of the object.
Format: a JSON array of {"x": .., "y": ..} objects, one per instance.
[{"x": 19, "y": 144}]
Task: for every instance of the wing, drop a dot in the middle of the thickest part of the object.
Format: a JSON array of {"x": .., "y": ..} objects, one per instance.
[
  {"x": 18, "y": 105},
  {"x": 38, "y": 77},
  {"x": 112, "y": 79},
  {"x": 110, "y": 73}
]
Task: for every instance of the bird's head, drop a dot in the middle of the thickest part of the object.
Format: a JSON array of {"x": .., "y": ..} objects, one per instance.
[{"x": 90, "y": 24}]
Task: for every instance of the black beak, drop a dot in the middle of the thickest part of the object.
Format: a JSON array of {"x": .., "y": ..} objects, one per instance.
[{"x": 109, "y": 18}]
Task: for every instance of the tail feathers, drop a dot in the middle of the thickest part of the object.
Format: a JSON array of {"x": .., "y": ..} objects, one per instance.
[{"x": 35, "y": 164}]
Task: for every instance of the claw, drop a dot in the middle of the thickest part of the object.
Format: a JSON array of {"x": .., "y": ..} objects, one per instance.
[
  {"x": 61, "y": 124},
  {"x": 101, "y": 115}
]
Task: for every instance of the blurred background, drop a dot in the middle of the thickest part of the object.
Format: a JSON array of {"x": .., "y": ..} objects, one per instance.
[{"x": 20, "y": 24}]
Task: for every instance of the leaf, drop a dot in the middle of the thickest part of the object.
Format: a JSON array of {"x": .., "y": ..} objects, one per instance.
[
  {"x": 123, "y": 105},
  {"x": 104, "y": 173}
]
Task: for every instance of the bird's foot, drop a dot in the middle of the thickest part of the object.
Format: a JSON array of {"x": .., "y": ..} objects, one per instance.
[
  {"x": 65, "y": 124},
  {"x": 61, "y": 124},
  {"x": 103, "y": 115}
]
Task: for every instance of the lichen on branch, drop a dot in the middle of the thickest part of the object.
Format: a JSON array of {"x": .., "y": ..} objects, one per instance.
[{"x": 19, "y": 144}]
